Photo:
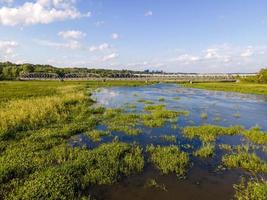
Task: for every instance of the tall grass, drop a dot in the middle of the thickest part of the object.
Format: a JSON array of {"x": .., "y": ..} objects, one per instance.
[{"x": 30, "y": 114}]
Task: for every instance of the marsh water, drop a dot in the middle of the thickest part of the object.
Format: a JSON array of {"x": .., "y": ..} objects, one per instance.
[{"x": 205, "y": 179}]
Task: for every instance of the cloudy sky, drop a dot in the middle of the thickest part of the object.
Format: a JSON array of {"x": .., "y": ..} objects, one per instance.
[{"x": 169, "y": 35}]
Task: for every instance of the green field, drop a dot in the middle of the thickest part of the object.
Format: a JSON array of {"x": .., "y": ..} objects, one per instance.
[{"x": 250, "y": 88}]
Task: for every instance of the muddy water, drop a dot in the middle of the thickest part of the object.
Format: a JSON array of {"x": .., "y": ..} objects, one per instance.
[{"x": 204, "y": 181}]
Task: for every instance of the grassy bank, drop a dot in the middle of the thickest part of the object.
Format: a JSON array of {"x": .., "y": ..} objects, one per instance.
[{"x": 250, "y": 88}]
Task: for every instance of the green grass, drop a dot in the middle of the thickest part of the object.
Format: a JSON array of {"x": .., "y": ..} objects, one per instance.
[
  {"x": 209, "y": 133},
  {"x": 204, "y": 116},
  {"x": 252, "y": 190},
  {"x": 206, "y": 150},
  {"x": 96, "y": 135},
  {"x": 158, "y": 115},
  {"x": 256, "y": 135},
  {"x": 118, "y": 120},
  {"x": 37, "y": 121},
  {"x": 168, "y": 138},
  {"x": 245, "y": 160},
  {"x": 169, "y": 159},
  {"x": 232, "y": 87}
]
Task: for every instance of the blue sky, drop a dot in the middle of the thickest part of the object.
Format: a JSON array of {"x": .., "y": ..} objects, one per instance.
[{"x": 169, "y": 35}]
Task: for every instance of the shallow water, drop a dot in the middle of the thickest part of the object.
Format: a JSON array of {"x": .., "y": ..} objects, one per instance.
[{"x": 203, "y": 181}]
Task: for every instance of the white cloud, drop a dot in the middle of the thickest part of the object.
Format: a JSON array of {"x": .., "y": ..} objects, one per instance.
[
  {"x": 99, "y": 23},
  {"x": 247, "y": 53},
  {"x": 7, "y": 49},
  {"x": 211, "y": 53},
  {"x": 148, "y": 13},
  {"x": 39, "y": 12},
  {"x": 101, "y": 47},
  {"x": 9, "y": 2},
  {"x": 72, "y": 34},
  {"x": 110, "y": 57},
  {"x": 72, "y": 44},
  {"x": 115, "y": 36}
]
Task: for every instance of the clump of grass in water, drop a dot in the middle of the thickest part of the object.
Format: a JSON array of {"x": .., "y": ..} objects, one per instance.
[
  {"x": 96, "y": 135},
  {"x": 237, "y": 115},
  {"x": 206, "y": 150},
  {"x": 225, "y": 147},
  {"x": 169, "y": 159},
  {"x": 176, "y": 98},
  {"x": 145, "y": 101},
  {"x": 217, "y": 119},
  {"x": 252, "y": 190},
  {"x": 168, "y": 138},
  {"x": 152, "y": 183},
  {"x": 117, "y": 120},
  {"x": 161, "y": 99},
  {"x": 158, "y": 115},
  {"x": 131, "y": 106},
  {"x": 256, "y": 135},
  {"x": 209, "y": 133},
  {"x": 204, "y": 116},
  {"x": 245, "y": 160}
]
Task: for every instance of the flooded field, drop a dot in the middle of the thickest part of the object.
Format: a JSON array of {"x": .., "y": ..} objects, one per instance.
[{"x": 206, "y": 176}]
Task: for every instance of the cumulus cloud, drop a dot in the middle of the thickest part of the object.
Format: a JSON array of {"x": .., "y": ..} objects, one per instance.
[
  {"x": 148, "y": 13},
  {"x": 72, "y": 34},
  {"x": 7, "y": 49},
  {"x": 110, "y": 57},
  {"x": 115, "y": 36},
  {"x": 100, "y": 47},
  {"x": 39, "y": 12}
]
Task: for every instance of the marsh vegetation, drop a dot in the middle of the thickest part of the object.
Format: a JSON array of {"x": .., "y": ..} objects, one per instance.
[{"x": 63, "y": 140}]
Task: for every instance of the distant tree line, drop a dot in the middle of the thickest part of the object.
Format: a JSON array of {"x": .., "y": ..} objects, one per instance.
[{"x": 11, "y": 71}]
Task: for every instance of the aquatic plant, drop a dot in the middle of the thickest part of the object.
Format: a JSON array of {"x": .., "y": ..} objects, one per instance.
[
  {"x": 256, "y": 135},
  {"x": 152, "y": 183},
  {"x": 204, "y": 115},
  {"x": 176, "y": 98},
  {"x": 117, "y": 120},
  {"x": 209, "y": 133},
  {"x": 237, "y": 115},
  {"x": 96, "y": 135},
  {"x": 252, "y": 190},
  {"x": 161, "y": 99},
  {"x": 247, "y": 161},
  {"x": 131, "y": 106},
  {"x": 168, "y": 138},
  {"x": 206, "y": 150},
  {"x": 145, "y": 101},
  {"x": 217, "y": 118},
  {"x": 158, "y": 115},
  {"x": 225, "y": 147},
  {"x": 169, "y": 159}
]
